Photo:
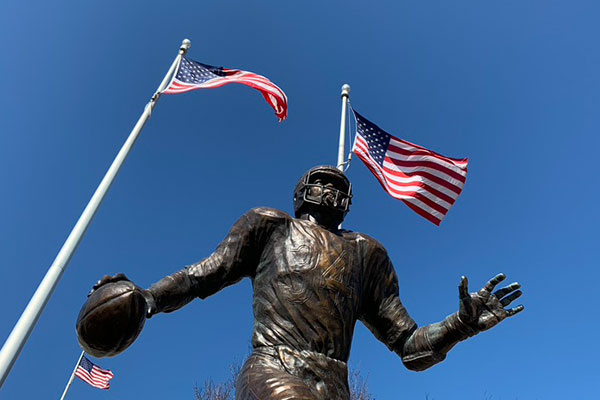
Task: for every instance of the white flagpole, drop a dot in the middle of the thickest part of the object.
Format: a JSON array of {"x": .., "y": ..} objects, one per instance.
[
  {"x": 20, "y": 333},
  {"x": 342, "y": 143},
  {"x": 72, "y": 377}
]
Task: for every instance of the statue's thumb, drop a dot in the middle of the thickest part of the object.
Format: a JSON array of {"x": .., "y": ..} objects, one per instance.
[{"x": 463, "y": 288}]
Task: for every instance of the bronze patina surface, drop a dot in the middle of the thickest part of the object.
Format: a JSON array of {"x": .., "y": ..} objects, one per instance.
[{"x": 311, "y": 283}]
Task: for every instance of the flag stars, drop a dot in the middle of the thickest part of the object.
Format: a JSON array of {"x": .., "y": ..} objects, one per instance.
[
  {"x": 197, "y": 73},
  {"x": 377, "y": 140}
]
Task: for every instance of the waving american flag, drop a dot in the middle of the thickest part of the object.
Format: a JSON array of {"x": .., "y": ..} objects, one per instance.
[
  {"x": 92, "y": 374},
  {"x": 426, "y": 181},
  {"x": 192, "y": 75}
]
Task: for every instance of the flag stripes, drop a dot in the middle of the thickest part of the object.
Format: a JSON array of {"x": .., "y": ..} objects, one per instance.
[{"x": 426, "y": 181}]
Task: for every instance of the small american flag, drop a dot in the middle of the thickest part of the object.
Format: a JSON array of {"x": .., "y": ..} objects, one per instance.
[
  {"x": 192, "y": 75},
  {"x": 427, "y": 182},
  {"x": 93, "y": 374}
]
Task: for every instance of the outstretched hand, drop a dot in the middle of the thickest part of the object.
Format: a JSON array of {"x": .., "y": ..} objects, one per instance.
[{"x": 483, "y": 310}]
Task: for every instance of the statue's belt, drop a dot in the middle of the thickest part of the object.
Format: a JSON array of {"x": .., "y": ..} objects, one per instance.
[{"x": 303, "y": 361}]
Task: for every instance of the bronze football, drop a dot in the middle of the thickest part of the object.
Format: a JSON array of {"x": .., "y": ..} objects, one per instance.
[{"x": 111, "y": 319}]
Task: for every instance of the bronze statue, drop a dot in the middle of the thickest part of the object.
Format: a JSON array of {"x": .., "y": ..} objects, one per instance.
[{"x": 312, "y": 282}]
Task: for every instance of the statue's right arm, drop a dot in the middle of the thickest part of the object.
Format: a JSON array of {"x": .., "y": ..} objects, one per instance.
[
  {"x": 384, "y": 314},
  {"x": 423, "y": 347},
  {"x": 235, "y": 258}
]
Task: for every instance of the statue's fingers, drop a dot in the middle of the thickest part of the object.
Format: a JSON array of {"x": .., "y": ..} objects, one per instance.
[
  {"x": 494, "y": 281},
  {"x": 98, "y": 284},
  {"x": 463, "y": 288},
  {"x": 120, "y": 277},
  {"x": 500, "y": 293},
  {"x": 513, "y": 311},
  {"x": 510, "y": 298},
  {"x": 105, "y": 278}
]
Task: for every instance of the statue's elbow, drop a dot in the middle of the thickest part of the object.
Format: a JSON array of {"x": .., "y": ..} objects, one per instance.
[
  {"x": 415, "y": 365},
  {"x": 422, "y": 361}
]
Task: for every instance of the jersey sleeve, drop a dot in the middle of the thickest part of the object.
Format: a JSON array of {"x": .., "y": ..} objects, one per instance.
[
  {"x": 235, "y": 258},
  {"x": 382, "y": 311}
]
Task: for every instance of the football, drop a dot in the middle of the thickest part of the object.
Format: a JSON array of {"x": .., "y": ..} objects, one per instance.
[{"x": 111, "y": 319}]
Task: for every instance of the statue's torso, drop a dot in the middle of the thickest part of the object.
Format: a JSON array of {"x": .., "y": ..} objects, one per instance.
[{"x": 307, "y": 289}]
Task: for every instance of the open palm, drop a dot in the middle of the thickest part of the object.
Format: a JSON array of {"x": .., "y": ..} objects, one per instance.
[{"x": 483, "y": 310}]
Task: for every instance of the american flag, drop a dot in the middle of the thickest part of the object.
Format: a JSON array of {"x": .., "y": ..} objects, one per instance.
[
  {"x": 93, "y": 374},
  {"x": 427, "y": 182},
  {"x": 192, "y": 75}
]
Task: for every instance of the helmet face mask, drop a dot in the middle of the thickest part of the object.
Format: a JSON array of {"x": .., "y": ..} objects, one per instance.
[
  {"x": 323, "y": 187},
  {"x": 319, "y": 194}
]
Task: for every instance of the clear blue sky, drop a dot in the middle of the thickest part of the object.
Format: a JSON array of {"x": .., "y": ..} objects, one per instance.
[{"x": 512, "y": 85}]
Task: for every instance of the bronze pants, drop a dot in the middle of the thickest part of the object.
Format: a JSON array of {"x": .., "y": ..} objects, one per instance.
[{"x": 278, "y": 373}]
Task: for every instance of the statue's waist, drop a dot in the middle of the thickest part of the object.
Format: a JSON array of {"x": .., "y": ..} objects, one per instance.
[
  {"x": 299, "y": 361},
  {"x": 331, "y": 345}
]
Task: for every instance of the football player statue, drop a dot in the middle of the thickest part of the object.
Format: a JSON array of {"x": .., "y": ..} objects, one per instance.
[{"x": 312, "y": 281}]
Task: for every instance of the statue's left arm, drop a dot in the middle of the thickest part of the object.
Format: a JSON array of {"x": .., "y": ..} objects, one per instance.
[
  {"x": 421, "y": 348},
  {"x": 235, "y": 258}
]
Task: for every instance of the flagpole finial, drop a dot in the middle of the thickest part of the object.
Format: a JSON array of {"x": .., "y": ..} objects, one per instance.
[
  {"x": 185, "y": 45},
  {"x": 345, "y": 90}
]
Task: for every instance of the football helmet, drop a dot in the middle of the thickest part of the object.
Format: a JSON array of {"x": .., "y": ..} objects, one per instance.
[{"x": 325, "y": 186}]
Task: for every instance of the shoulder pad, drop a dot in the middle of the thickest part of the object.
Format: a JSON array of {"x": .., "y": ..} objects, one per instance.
[
  {"x": 270, "y": 213},
  {"x": 369, "y": 241}
]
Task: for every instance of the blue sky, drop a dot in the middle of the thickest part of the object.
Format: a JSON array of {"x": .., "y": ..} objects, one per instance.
[{"x": 512, "y": 85}]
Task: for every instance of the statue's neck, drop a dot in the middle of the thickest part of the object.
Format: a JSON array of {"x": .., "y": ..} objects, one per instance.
[{"x": 322, "y": 220}]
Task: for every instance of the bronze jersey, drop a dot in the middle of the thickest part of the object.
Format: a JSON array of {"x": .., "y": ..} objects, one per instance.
[{"x": 310, "y": 287}]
